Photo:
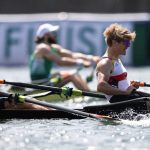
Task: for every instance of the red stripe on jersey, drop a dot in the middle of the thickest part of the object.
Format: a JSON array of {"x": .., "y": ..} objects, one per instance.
[{"x": 119, "y": 77}]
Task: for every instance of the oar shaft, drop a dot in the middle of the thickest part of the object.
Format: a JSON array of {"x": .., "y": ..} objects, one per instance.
[
  {"x": 148, "y": 85},
  {"x": 35, "y": 86},
  {"x": 42, "y": 103},
  {"x": 63, "y": 90},
  {"x": 92, "y": 94},
  {"x": 64, "y": 109}
]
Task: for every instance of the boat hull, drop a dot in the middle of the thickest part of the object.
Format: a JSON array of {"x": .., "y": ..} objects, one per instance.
[
  {"x": 123, "y": 110},
  {"x": 36, "y": 114}
]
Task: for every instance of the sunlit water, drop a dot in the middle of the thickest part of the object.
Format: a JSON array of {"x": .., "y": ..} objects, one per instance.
[{"x": 84, "y": 134}]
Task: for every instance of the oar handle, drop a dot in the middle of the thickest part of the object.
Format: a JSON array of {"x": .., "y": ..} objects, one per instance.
[
  {"x": 139, "y": 84},
  {"x": 93, "y": 94}
]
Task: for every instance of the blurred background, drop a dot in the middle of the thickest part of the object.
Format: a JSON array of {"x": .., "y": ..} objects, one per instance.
[
  {"x": 91, "y": 6},
  {"x": 81, "y": 23}
]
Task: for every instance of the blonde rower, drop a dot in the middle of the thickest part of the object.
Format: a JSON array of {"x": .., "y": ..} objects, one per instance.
[{"x": 111, "y": 73}]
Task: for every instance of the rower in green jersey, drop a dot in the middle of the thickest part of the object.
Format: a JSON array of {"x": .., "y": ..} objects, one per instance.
[
  {"x": 40, "y": 68},
  {"x": 47, "y": 52}
]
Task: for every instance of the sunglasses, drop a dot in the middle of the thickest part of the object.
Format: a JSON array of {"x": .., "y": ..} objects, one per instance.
[{"x": 127, "y": 43}]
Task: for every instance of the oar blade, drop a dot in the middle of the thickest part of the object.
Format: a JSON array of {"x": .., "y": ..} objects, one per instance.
[{"x": 97, "y": 116}]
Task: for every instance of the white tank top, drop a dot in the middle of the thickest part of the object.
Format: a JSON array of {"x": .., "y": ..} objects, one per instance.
[{"x": 118, "y": 77}]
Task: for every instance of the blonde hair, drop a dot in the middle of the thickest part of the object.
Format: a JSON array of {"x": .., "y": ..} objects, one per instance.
[{"x": 118, "y": 33}]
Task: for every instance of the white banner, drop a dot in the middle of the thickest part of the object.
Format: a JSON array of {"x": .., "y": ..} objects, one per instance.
[{"x": 17, "y": 39}]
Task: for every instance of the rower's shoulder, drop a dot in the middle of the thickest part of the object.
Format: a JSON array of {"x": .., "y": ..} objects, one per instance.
[
  {"x": 105, "y": 61},
  {"x": 42, "y": 49},
  {"x": 104, "y": 64}
]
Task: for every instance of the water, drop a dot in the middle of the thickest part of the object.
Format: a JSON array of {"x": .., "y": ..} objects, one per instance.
[{"x": 85, "y": 134}]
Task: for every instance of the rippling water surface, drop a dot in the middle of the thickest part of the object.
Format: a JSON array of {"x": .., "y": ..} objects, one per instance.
[{"x": 84, "y": 134}]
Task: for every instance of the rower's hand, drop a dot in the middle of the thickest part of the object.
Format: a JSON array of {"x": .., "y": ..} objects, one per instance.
[
  {"x": 87, "y": 63},
  {"x": 130, "y": 89},
  {"x": 136, "y": 84}
]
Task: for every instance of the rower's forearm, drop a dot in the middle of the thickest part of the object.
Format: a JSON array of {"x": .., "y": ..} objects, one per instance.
[
  {"x": 107, "y": 89},
  {"x": 65, "y": 53},
  {"x": 83, "y": 56},
  {"x": 67, "y": 62}
]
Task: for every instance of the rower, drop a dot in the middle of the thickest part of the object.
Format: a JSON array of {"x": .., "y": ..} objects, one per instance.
[
  {"x": 47, "y": 52},
  {"x": 111, "y": 73}
]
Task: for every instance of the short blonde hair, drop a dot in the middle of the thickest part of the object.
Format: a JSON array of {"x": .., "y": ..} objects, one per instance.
[{"x": 118, "y": 33}]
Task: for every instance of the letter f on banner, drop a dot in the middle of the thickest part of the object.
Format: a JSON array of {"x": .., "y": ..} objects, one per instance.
[{"x": 10, "y": 40}]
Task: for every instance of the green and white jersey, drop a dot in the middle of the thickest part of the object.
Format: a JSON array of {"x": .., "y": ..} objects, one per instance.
[{"x": 40, "y": 68}]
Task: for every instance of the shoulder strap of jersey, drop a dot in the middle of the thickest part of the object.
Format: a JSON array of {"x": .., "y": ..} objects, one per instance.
[{"x": 113, "y": 60}]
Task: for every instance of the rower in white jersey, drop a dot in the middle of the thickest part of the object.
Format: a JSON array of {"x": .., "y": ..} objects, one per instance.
[
  {"x": 118, "y": 76},
  {"x": 111, "y": 74}
]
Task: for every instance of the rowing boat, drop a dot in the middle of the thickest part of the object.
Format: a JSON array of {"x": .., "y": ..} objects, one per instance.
[{"x": 123, "y": 110}]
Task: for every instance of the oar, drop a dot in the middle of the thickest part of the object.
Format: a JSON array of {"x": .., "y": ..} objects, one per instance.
[
  {"x": 64, "y": 90},
  {"x": 140, "y": 83},
  {"x": 144, "y": 84},
  {"x": 64, "y": 109}
]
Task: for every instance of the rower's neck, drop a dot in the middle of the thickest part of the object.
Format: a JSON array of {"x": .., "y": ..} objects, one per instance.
[{"x": 111, "y": 53}]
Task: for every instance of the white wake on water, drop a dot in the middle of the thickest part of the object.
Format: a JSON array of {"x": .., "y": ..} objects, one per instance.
[{"x": 140, "y": 120}]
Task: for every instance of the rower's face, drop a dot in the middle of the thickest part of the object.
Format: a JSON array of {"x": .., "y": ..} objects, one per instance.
[
  {"x": 48, "y": 37},
  {"x": 125, "y": 45},
  {"x": 122, "y": 46}
]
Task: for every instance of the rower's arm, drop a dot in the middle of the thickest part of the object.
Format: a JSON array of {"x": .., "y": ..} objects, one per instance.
[
  {"x": 75, "y": 55},
  {"x": 62, "y": 51},
  {"x": 91, "y": 58},
  {"x": 62, "y": 61}
]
